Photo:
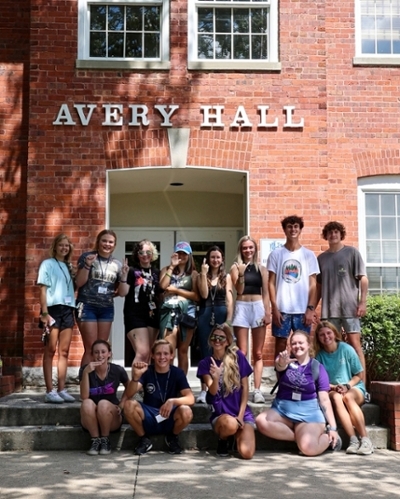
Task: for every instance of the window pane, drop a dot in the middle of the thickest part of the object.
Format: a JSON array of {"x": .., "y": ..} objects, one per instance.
[
  {"x": 259, "y": 47},
  {"x": 134, "y": 45},
  {"x": 374, "y": 278},
  {"x": 241, "y": 20},
  {"x": 372, "y": 228},
  {"x": 389, "y": 279},
  {"x": 223, "y": 21},
  {"x": 388, "y": 204},
  {"x": 152, "y": 45},
  {"x": 373, "y": 252},
  {"x": 98, "y": 45},
  {"x": 223, "y": 47},
  {"x": 134, "y": 19},
  {"x": 372, "y": 204},
  {"x": 389, "y": 249},
  {"x": 379, "y": 22},
  {"x": 115, "y": 18},
  {"x": 115, "y": 45},
  {"x": 98, "y": 17},
  {"x": 206, "y": 20},
  {"x": 205, "y": 47},
  {"x": 152, "y": 19},
  {"x": 388, "y": 228},
  {"x": 241, "y": 46}
]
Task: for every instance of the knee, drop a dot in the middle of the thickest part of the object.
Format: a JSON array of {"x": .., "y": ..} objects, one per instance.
[
  {"x": 131, "y": 408},
  {"x": 247, "y": 453},
  {"x": 184, "y": 413},
  {"x": 88, "y": 407},
  {"x": 257, "y": 355},
  {"x": 261, "y": 422}
]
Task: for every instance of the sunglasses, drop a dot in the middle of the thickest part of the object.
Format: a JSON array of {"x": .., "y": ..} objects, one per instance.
[
  {"x": 145, "y": 253},
  {"x": 217, "y": 337}
]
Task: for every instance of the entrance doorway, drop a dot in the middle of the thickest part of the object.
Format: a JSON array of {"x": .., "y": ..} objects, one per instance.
[{"x": 200, "y": 240}]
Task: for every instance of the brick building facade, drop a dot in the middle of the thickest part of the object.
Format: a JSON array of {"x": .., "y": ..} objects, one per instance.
[{"x": 92, "y": 141}]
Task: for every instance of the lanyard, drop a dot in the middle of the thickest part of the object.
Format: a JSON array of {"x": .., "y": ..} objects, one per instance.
[
  {"x": 163, "y": 398},
  {"x": 101, "y": 267},
  {"x": 68, "y": 281}
]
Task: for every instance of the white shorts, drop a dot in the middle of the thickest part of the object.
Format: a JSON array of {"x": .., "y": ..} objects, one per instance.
[{"x": 249, "y": 314}]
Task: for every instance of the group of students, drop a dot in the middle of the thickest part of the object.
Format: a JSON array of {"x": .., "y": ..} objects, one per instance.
[{"x": 172, "y": 304}]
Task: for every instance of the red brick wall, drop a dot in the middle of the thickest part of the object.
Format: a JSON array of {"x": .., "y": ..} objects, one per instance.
[
  {"x": 14, "y": 95},
  {"x": 351, "y": 130},
  {"x": 387, "y": 396}
]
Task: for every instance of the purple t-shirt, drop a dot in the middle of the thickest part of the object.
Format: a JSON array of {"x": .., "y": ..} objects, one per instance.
[
  {"x": 229, "y": 404},
  {"x": 298, "y": 379}
]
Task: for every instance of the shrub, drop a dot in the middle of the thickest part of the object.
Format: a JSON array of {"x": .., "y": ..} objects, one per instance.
[{"x": 381, "y": 338}]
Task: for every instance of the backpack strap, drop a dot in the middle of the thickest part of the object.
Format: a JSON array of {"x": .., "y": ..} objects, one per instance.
[{"x": 315, "y": 371}]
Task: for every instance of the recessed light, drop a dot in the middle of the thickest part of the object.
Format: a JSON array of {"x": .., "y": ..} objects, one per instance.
[{"x": 176, "y": 184}]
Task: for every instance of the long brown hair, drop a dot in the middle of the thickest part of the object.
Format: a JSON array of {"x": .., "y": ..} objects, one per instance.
[{"x": 231, "y": 376}]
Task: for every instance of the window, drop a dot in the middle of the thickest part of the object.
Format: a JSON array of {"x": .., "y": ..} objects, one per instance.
[
  {"x": 378, "y": 31},
  {"x": 233, "y": 34},
  {"x": 123, "y": 34},
  {"x": 381, "y": 228}
]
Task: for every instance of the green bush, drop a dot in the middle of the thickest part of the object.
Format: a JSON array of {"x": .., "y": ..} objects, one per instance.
[{"x": 381, "y": 338}]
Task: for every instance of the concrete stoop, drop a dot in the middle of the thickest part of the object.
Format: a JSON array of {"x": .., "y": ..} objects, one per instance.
[{"x": 27, "y": 423}]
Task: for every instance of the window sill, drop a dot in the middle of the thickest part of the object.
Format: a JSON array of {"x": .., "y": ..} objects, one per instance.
[
  {"x": 204, "y": 65},
  {"x": 376, "y": 61},
  {"x": 110, "y": 64}
]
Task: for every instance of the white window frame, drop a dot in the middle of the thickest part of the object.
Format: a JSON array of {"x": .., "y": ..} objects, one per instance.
[
  {"x": 195, "y": 63},
  {"x": 380, "y": 184},
  {"x": 83, "y": 59},
  {"x": 361, "y": 59}
]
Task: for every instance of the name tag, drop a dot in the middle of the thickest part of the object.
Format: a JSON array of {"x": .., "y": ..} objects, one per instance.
[
  {"x": 68, "y": 300},
  {"x": 102, "y": 290},
  {"x": 296, "y": 396}
]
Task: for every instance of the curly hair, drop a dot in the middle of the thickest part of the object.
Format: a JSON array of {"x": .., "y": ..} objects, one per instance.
[
  {"x": 334, "y": 226},
  {"x": 292, "y": 219},
  {"x": 139, "y": 246}
]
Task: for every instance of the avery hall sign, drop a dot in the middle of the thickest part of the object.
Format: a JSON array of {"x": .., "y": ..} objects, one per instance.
[{"x": 114, "y": 115}]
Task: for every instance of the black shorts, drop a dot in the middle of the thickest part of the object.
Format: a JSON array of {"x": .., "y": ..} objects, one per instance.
[
  {"x": 63, "y": 315},
  {"x": 140, "y": 320}
]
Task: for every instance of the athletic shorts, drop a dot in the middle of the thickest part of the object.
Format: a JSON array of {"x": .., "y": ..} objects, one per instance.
[
  {"x": 290, "y": 322},
  {"x": 249, "y": 314},
  {"x": 299, "y": 411},
  {"x": 141, "y": 320},
  {"x": 349, "y": 324},
  {"x": 150, "y": 424},
  {"x": 63, "y": 315},
  {"x": 86, "y": 312}
]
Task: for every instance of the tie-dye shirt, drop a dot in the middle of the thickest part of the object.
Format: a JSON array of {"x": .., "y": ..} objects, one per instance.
[{"x": 101, "y": 389}]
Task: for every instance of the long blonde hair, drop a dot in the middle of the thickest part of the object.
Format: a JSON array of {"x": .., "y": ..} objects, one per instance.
[
  {"x": 239, "y": 256},
  {"x": 231, "y": 380}
]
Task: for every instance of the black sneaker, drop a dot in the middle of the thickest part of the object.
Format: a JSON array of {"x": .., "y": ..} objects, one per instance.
[
  {"x": 143, "y": 446},
  {"x": 95, "y": 447},
  {"x": 105, "y": 446},
  {"x": 173, "y": 444},
  {"x": 223, "y": 448}
]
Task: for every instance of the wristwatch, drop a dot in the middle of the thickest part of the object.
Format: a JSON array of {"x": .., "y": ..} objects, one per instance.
[
  {"x": 347, "y": 386},
  {"x": 310, "y": 307}
]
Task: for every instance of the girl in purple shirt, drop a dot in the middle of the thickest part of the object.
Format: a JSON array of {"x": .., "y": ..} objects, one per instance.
[{"x": 226, "y": 375}]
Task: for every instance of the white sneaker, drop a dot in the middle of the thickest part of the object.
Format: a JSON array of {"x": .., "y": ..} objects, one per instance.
[
  {"x": 366, "y": 448},
  {"x": 66, "y": 396},
  {"x": 53, "y": 398},
  {"x": 201, "y": 398},
  {"x": 353, "y": 447},
  {"x": 258, "y": 397}
]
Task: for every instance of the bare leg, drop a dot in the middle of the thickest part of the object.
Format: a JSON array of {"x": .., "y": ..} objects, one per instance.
[
  {"x": 182, "y": 417},
  {"x": 172, "y": 337},
  {"x": 242, "y": 338},
  {"x": 183, "y": 350},
  {"x": 134, "y": 415},
  {"x": 89, "y": 417},
  {"x": 311, "y": 438},
  {"x": 88, "y": 332},
  {"x": 142, "y": 340},
  {"x": 64, "y": 343},
  {"x": 353, "y": 400},
  {"x": 258, "y": 343},
  {"x": 48, "y": 355},
  {"x": 246, "y": 441},
  {"x": 342, "y": 413},
  {"x": 280, "y": 346},
  {"x": 273, "y": 425},
  {"x": 108, "y": 417},
  {"x": 354, "y": 339}
]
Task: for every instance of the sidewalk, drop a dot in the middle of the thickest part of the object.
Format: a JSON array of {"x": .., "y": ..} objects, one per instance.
[{"x": 198, "y": 475}]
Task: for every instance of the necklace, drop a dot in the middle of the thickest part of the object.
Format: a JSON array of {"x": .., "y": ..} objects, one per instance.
[{"x": 213, "y": 292}]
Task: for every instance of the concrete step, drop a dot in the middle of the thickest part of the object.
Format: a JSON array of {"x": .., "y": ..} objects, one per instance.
[
  {"x": 195, "y": 436},
  {"x": 29, "y": 409}
]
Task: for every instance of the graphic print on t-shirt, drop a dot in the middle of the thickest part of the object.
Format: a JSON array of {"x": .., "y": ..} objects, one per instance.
[{"x": 291, "y": 271}]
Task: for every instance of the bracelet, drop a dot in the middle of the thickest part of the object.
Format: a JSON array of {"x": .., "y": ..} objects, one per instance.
[
  {"x": 123, "y": 282},
  {"x": 44, "y": 314},
  {"x": 86, "y": 267},
  {"x": 168, "y": 275},
  {"x": 241, "y": 275}
]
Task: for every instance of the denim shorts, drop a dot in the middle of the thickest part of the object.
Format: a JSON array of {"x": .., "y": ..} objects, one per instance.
[
  {"x": 150, "y": 424},
  {"x": 290, "y": 322},
  {"x": 299, "y": 411},
  {"x": 86, "y": 312},
  {"x": 349, "y": 324}
]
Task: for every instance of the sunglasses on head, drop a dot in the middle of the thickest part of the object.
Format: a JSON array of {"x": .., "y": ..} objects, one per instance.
[
  {"x": 217, "y": 337},
  {"x": 144, "y": 253}
]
